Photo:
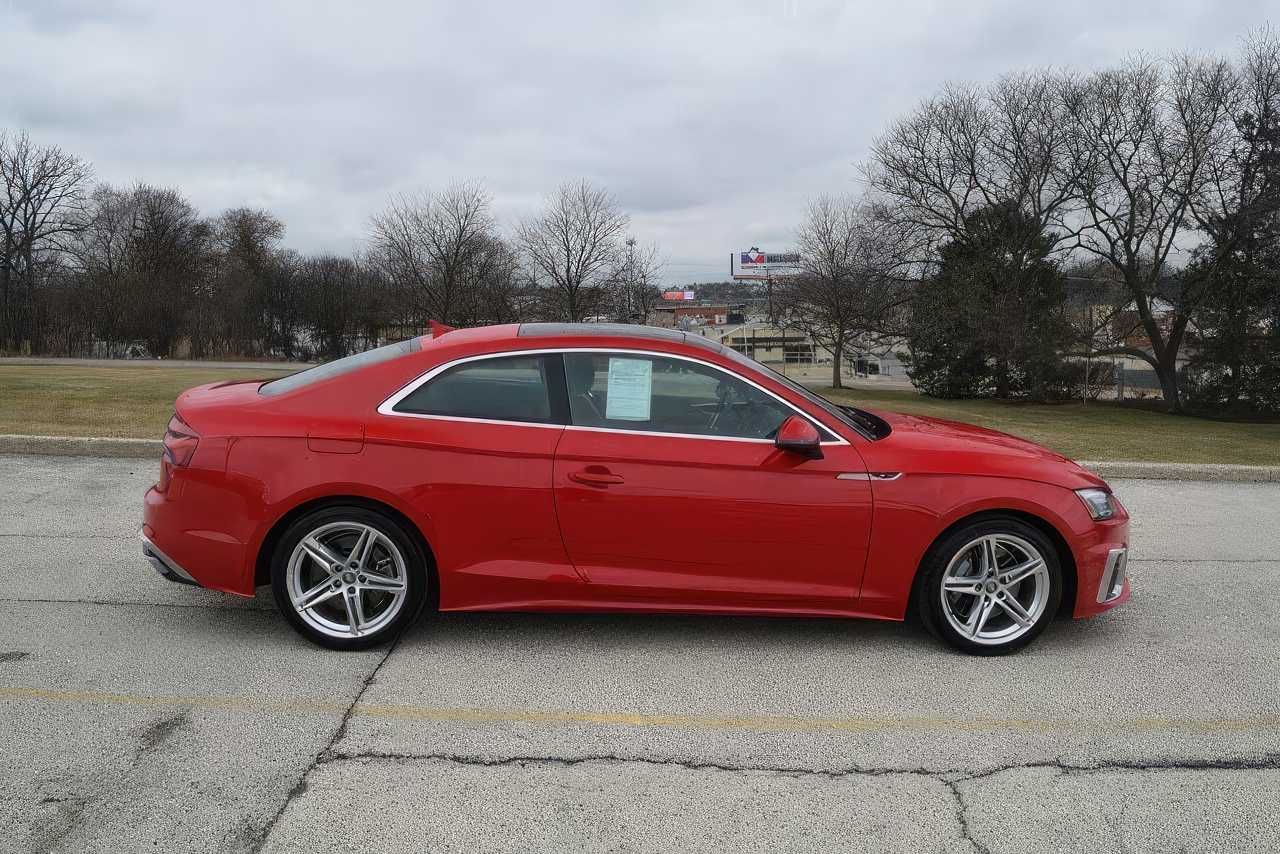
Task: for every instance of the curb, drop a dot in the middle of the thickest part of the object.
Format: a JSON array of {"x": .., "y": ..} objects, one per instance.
[
  {"x": 80, "y": 446},
  {"x": 1133, "y": 470},
  {"x": 91, "y": 446}
]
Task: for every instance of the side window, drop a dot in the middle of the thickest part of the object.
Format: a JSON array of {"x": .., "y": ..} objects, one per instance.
[
  {"x": 510, "y": 388},
  {"x": 626, "y": 391}
]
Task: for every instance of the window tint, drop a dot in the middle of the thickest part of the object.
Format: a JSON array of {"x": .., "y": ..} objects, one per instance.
[
  {"x": 627, "y": 391},
  {"x": 344, "y": 365},
  {"x": 510, "y": 388}
]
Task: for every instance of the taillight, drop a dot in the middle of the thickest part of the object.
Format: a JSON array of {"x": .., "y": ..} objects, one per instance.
[{"x": 179, "y": 442}]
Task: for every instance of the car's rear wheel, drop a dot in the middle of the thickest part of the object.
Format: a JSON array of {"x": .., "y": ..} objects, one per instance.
[
  {"x": 348, "y": 577},
  {"x": 991, "y": 587}
]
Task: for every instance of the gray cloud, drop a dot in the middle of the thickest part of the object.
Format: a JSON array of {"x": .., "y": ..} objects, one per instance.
[{"x": 711, "y": 122}]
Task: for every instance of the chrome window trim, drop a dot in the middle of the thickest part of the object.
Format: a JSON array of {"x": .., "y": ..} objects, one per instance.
[{"x": 387, "y": 407}]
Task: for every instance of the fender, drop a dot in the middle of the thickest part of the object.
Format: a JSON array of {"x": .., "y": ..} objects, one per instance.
[
  {"x": 297, "y": 479},
  {"x": 908, "y": 522}
]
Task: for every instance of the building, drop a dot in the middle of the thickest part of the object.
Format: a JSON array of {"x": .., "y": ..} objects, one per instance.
[{"x": 681, "y": 316}]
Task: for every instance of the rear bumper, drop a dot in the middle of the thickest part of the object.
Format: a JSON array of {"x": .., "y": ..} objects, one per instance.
[
  {"x": 185, "y": 536},
  {"x": 163, "y": 564}
]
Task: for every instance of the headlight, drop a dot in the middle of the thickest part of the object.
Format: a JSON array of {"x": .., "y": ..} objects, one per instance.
[{"x": 1099, "y": 502}]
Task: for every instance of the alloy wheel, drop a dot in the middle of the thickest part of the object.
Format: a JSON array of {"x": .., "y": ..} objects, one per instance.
[
  {"x": 347, "y": 579},
  {"x": 995, "y": 589}
]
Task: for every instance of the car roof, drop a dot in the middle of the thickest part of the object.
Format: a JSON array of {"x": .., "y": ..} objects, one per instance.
[{"x": 615, "y": 330}]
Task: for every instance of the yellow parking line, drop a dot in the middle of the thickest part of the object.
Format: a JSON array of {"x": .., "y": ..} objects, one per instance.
[{"x": 753, "y": 723}]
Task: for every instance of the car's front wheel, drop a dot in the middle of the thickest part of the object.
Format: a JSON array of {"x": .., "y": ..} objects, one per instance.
[
  {"x": 990, "y": 587},
  {"x": 348, "y": 577}
]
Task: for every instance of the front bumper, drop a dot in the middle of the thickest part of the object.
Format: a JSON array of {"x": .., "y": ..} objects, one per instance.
[
  {"x": 163, "y": 564},
  {"x": 1102, "y": 558}
]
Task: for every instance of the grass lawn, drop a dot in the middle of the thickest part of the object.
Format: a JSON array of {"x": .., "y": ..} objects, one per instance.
[
  {"x": 72, "y": 400},
  {"x": 136, "y": 401},
  {"x": 1097, "y": 431}
]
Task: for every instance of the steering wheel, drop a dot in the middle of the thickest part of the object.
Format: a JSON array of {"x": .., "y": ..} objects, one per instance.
[{"x": 724, "y": 391}]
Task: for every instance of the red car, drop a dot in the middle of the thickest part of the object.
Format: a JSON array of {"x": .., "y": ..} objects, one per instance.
[{"x": 594, "y": 467}]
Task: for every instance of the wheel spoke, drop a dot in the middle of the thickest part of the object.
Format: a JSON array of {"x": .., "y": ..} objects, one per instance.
[
  {"x": 363, "y": 547},
  {"x": 1014, "y": 609},
  {"x": 321, "y": 554},
  {"x": 381, "y": 583},
  {"x": 1021, "y": 572},
  {"x": 355, "y": 611},
  {"x": 979, "y": 614},
  {"x": 960, "y": 584},
  {"x": 313, "y": 597},
  {"x": 989, "y": 561}
]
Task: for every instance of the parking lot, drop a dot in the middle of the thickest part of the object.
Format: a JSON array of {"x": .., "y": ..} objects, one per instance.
[{"x": 142, "y": 715}]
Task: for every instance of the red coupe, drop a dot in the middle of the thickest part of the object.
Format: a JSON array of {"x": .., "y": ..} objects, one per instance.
[{"x": 594, "y": 467}]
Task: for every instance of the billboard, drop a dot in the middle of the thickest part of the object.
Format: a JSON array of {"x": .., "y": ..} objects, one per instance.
[
  {"x": 755, "y": 264},
  {"x": 678, "y": 296},
  {"x": 755, "y": 259}
]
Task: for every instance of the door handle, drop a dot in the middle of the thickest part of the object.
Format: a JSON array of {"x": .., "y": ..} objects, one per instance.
[{"x": 595, "y": 478}]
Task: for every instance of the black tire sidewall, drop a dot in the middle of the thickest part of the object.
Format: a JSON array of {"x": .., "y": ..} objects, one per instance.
[
  {"x": 929, "y": 604},
  {"x": 415, "y": 571}
]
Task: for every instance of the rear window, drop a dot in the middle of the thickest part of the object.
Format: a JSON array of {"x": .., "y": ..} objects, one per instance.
[
  {"x": 338, "y": 367},
  {"x": 509, "y": 388}
]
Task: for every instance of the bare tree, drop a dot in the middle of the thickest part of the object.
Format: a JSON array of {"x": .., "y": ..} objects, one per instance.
[
  {"x": 247, "y": 244},
  {"x": 339, "y": 303},
  {"x": 973, "y": 148},
  {"x": 42, "y": 200},
  {"x": 440, "y": 250},
  {"x": 1147, "y": 138},
  {"x": 572, "y": 246},
  {"x": 1238, "y": 190},
  {"x": 847, "y": 292},
  {"x": 633, "y": 284},
  {"x": 171, "y": 261}
]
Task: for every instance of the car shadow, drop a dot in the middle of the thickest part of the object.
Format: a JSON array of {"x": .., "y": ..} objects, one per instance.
[
  {"x": 637, "y": 630},
  {"x": 640, "y": 630}
]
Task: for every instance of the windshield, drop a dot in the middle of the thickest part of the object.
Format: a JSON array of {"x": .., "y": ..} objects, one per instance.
[
  {"x": 859, "y": 419},
  {"x": 337, "y": 367}
]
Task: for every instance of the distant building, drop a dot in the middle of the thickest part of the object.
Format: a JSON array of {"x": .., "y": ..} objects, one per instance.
[{"x": 676, "y": 315}]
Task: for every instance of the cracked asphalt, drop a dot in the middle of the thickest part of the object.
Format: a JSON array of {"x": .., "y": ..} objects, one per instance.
[{"x": 141, "y": 715}]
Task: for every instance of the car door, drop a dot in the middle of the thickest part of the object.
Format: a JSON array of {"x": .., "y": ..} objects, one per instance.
[
  {"x": 470, "y": 446},
  {"x": 669, "y": 489}
]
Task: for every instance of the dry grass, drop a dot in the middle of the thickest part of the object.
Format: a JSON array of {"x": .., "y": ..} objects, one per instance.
[
  {"x": 1096, "y": 431},
  {"x": 75, "y": 400},
  {"x": 136, "y": 401}
]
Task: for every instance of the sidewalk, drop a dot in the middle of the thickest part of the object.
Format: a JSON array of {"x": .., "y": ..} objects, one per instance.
[{"x": 55, "y": 361}]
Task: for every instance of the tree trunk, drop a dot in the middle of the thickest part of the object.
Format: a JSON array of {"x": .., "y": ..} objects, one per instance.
[
  {"x": 837, "y": 354},
  {"x": 6, "y": 308},
  {"x": 1002, "y": 378},
  {"x": 1167, "y": 372}
]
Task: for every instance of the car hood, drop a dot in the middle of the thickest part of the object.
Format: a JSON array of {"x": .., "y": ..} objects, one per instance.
[{"x": 923, "y": 444}]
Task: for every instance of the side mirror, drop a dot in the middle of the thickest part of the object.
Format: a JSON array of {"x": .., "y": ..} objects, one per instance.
[{"x": 798, "y": 436}]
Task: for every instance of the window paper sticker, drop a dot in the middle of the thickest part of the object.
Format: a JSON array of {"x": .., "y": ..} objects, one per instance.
[{"x": 630, "y": 389}]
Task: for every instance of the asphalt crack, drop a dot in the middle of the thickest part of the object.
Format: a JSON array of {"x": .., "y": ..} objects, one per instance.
[
  {"x": 953, "y": 780},
  {"x": 1266, "y": 762},
  {"x": 257, "y": 840}
]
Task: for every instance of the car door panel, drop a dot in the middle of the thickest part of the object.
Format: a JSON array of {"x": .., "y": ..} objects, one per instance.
[{"x": 735, "y": 522}]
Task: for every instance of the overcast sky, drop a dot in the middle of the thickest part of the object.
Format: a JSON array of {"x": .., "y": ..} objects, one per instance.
[{"x": 711, "y": 122}]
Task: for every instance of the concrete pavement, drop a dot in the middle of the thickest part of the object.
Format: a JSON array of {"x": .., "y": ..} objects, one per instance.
[{"x": 144, "y": 714}]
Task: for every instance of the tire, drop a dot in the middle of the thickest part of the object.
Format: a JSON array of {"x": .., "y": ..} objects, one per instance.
[
  {"x": 1019, "y": 598},
  {"x": 348, "y": 565}
]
